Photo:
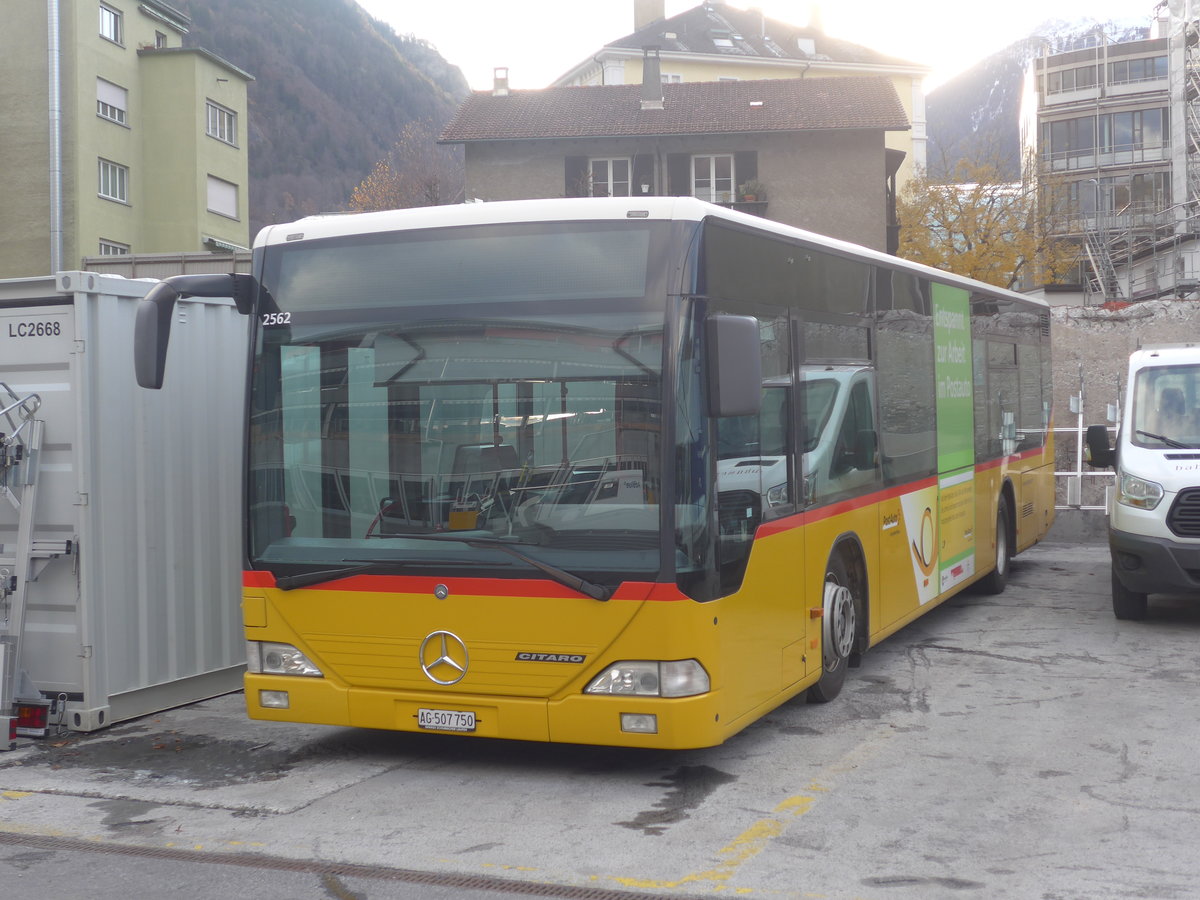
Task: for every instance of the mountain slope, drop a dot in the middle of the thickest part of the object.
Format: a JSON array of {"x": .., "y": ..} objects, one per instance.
[
  {"x": 977, "y": 114},
  {"x": 333, "y": 90}
]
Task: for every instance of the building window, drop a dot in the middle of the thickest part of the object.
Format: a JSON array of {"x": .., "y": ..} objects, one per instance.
[
  {"x": 671, "y": 78},
  {"x": 1140, "y": 129},
  {"x": 114, "y": 181},
  {"x": 112, "y": 101},
  {"x": 112, "y": 24},
  {"x": 222, "y": 197},
  {"x": 713, "y": 178},
  {"x": 1077, "y": 79},
  {"x": 222, "y": 123},
  {"x": 160, "y": 40},
  {"x": 1127, "y": 71},
  {"x": 113, "y": 248},
  {"x": 609, "y": 177}
]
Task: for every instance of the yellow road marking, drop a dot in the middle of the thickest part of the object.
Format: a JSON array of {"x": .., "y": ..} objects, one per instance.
[{"x": 743, "y": 848}]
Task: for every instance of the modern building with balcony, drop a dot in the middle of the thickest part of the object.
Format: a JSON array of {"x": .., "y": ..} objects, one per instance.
[{"x": 1113, "y": 127}]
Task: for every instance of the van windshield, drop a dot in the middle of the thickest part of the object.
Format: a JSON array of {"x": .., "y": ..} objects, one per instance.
[{"x": 1166, "y": 410}]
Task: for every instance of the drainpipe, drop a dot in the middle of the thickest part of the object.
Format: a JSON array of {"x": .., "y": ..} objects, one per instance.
[{"x": 55, "y": 120}]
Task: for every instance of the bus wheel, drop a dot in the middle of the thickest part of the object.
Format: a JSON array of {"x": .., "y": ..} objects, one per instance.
[
  {"x": 839, "y": 627},
  {"x": 1127, "y": 604},
  {"x": 996, "y": 580}
]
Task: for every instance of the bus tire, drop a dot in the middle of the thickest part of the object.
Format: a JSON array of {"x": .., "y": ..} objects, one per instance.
[
  {"x": 1127, "y": 604},
  {"x": 839, "y": 630},
  {"x": 996, "y": 580}
]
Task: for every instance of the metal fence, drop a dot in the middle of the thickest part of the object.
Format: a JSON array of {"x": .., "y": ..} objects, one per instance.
[{"x": 1076, "y": 484}]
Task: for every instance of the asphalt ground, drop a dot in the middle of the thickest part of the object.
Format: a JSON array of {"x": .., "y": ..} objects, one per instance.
[{"x": 1026, "y": 745}]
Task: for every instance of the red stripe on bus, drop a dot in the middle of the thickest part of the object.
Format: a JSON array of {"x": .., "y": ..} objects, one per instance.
[
  {"x": 485, "y": 587},
  {"x": 799, "y": 520}
]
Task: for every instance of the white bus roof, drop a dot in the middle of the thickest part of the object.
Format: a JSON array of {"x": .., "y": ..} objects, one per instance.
[{"x": 586, "y": 208}]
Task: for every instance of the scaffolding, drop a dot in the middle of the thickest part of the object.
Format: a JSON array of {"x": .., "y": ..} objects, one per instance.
[{"x": 1143, "y": 249}]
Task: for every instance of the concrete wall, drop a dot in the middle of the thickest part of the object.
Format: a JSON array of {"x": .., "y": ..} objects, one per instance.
[{"x": 1091, "y": 347}]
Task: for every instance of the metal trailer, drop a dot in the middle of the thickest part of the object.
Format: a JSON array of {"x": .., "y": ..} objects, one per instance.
[{"x": 119, "y": 573}]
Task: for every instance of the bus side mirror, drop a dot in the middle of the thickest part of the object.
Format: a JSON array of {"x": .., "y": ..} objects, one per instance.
[
  {"x": 152, "y": 326},
  {"x": 1099, "y": 454},
  {"x": 734, "y": 370}
]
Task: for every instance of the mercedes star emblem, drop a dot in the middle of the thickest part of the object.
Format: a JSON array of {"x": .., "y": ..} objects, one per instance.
[{"x": 444, "y": 658}]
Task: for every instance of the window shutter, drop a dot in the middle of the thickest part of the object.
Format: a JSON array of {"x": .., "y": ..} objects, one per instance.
[
  {"x": 679, "y": 176},
  {"x": 576, "y": 177}
]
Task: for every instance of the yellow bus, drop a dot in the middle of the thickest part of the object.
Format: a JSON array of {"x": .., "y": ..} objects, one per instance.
[{"x": 619, "y": 471}]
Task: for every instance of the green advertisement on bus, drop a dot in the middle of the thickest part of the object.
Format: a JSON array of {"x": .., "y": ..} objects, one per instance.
[{"x": 955, "y": 433}]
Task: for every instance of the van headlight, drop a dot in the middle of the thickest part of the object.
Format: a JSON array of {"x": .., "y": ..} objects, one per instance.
[
  {"x": 778, "y": 495},
  {"x": 1138, "y": 492},
  {"x": 651, "y": 678},
  {"x": 271, "y": 658}
]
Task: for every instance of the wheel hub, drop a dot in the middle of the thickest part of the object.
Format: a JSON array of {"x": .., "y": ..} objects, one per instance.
[{"x": 839, "y": 624}]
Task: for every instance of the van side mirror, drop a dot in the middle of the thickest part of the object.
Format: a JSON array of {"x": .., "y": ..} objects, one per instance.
[
  {"x": 734, "y": 365},
  {"x": 1099, "y": 454}
]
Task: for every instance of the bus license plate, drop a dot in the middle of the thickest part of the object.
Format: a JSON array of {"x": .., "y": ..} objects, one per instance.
[{"x": 446, "y": 719}]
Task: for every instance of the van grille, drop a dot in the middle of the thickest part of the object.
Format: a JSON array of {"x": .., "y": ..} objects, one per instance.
[
  {"x": 739, "y": 512},
  {"x": 1184, "y": 517}
]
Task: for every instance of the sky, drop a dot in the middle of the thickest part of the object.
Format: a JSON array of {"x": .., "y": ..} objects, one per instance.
[{"x": 539, "y": 40}]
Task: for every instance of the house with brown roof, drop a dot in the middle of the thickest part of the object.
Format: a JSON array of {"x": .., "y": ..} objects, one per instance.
[
  {"x": 716, "y": 40},
  {"x": 807, "y": 152}
]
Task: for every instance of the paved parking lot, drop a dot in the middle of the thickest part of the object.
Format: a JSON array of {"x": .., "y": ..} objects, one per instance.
[{"x": 1027, "y": 745}]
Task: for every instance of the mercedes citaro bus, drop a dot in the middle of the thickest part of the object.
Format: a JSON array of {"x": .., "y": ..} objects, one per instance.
[{"x": 623, "y": 471}]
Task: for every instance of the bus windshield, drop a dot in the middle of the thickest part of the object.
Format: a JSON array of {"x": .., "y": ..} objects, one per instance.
[{"x": 406, "y": 411}]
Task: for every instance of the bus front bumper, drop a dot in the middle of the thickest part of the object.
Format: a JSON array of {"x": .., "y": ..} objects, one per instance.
[{"x": 678, "y": 723}]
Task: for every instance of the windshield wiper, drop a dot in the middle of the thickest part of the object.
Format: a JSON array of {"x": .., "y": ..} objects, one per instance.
[
  {"x": 1170, "y": 442},
  {"x": 307, "y": 579},
  {"x": 562, "y": 576}
]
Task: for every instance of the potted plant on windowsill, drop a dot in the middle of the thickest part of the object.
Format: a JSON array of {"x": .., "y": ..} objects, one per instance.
[{"x": 752, "y": 191}]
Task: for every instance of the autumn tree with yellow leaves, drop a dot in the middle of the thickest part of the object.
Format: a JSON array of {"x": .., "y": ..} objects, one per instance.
[
  {"x": 977, "y": 223},
  {"x": 416, "y": 172}
]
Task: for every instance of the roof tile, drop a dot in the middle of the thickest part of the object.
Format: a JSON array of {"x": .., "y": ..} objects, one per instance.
[{"x": 698, "y": 107}]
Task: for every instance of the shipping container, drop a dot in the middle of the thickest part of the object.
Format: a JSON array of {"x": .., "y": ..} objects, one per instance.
[{"x": 132, "y": 605}]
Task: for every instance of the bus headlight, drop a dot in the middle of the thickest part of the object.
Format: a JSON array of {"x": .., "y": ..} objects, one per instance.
[
  {"x": 649, "y": 678},
  {"x": 270, "y": 658},
  {"x": 1138, "y": 492}
]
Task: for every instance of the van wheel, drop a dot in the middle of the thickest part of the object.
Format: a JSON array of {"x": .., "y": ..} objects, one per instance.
[
  {"x": 839, "y": 627},
  {"x": 996, "y": 580},
  {"x": 1127, "y": 604}
]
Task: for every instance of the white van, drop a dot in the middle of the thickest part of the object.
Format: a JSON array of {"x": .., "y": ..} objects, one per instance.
[{"x": 1154, "y": 507}]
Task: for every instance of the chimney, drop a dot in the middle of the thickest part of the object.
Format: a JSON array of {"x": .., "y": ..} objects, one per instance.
[
  {"x": 815, "y": 20},
  {"x": 652, "y": 92},
  {"x": 647, "y": 12},
  {"x": 500, "y": 81}
]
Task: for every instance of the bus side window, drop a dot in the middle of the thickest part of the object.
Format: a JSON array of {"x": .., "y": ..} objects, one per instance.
[{"x": 857, "y": 441}]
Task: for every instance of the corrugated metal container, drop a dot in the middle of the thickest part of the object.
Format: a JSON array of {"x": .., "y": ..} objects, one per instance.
[
  {"x": 163, "y": 265},
  {"x": 143, "y": 614}
]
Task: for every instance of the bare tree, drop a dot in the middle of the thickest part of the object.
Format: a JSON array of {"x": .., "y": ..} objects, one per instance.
[{"x": 416, "y": 172}]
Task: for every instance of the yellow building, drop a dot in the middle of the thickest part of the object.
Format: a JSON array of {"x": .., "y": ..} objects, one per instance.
[
  {"x": 119, "y": 139},
  {"x": 717, "y": 42}
]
